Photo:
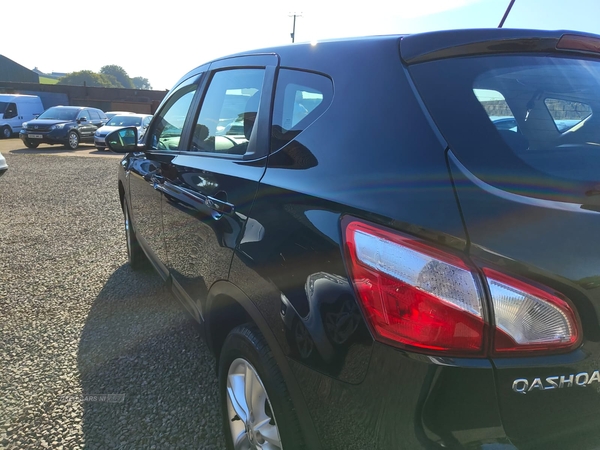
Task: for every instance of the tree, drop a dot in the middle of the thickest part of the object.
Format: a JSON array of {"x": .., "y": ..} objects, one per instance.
[
  {"x": 119, "y": 73},
  {"x": 86, "y": 77},
  {"x": 113, "y": 80},
  {"x": 141, "y": 83}
]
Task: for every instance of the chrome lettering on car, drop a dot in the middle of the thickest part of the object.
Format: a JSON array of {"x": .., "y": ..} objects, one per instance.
[{"x": 582, "y": 379}]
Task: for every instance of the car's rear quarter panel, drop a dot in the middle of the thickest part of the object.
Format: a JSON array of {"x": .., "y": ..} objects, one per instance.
[
  {"x": 559, "y": 249},
  {"x": 376, "y": 158}
]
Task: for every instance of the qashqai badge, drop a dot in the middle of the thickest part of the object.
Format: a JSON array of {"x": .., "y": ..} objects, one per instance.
[{"x": 582, "y": 379}]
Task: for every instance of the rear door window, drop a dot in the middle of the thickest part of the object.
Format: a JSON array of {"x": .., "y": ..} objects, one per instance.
[
  {"x": 300, "y": 98},
  {"x": 228, "y": 113}
]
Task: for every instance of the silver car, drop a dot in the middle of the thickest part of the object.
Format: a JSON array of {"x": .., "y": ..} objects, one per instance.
[{"x": 141, "y": 121}]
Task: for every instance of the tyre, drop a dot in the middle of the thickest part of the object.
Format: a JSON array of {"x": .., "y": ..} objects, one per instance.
[
  {"x": 5, "y": 132},
  {"x": 72, "y": 140},
  {"x": 100, "y": 149},
  {"x": 247, "y": 370},
  {"x": 30, "y": 144},
  {"x": 135, "y": 255}
]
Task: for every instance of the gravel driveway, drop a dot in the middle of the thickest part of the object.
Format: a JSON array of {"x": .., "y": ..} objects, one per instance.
[{"x": 92, "y": 354}]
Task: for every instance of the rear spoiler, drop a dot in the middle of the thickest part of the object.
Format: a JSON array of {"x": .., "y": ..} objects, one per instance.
[{"x": 452, "y": 43}]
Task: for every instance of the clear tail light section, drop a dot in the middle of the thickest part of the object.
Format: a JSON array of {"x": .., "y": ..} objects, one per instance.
[
  {"x": 528, "y": 318},
  {"x": 416, "y": 296}
]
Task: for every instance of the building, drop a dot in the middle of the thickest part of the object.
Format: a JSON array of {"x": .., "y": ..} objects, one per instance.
[{"x": 11, "y": 71}]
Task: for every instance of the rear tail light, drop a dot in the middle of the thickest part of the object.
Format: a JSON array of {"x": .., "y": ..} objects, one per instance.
[
  {"x": 416, "y": 296},
  {"x": 413, "y": 295},
  {"x": 529, "y": 318},
  {"x": 580, "y": 43}
]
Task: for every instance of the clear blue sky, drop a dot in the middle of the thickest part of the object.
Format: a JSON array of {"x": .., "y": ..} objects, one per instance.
[{"x": 162, "y": 41}]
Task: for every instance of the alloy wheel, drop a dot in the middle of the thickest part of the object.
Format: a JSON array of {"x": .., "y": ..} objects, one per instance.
[
  {"x": 73, "y": 140},
  {"x": 251, "y": 420}
]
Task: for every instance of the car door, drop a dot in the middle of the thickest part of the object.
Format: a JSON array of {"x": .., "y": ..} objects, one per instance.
[
  {"x": 84, "y": 124},
  {"x": 144, "y": 171},
  {"x": 96, "y": 120},
  {"x": 210, "y": 185}
]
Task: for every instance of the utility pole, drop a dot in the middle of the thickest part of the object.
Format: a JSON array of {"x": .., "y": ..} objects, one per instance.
[{"x": 293, "y": 33}]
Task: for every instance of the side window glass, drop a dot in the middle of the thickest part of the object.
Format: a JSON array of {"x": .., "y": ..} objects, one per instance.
[
  {"x": 84, "y": 114},
  {"x": 11, "y": 111},
  {"x": 227, "y": 115},
  {"x": 567, "y": 114},
  {"x": 168, "y": 123},
  {"x": 94, "y": 115},
  {"x": 300, "y": 98}
]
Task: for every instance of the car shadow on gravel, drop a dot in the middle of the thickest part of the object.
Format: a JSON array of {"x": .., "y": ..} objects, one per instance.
[
  {"x": 147, "y": 378},
  {"x": 54, "y": 149}
]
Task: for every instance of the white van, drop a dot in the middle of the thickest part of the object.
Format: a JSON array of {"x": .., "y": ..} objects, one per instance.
[{"x": 16, "y": 109}]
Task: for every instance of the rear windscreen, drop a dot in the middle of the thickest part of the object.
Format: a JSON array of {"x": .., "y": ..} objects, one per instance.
[{"x": 526, "y": 123}]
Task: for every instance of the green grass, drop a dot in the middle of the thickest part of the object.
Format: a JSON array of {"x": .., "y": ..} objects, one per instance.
[{"x": 46, "y": 80}]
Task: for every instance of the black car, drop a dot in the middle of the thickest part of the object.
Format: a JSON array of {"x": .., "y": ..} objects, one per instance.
[
  {"x": 66, "y": 125},
  {"x": 373, "y": 262}
]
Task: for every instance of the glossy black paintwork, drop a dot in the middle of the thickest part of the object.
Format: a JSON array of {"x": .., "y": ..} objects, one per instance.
[
  {"x": 199, "y": 239},
  {"x": 145, "y": 205},
  {"x": 277, "y": 253},
  {"x": 558, "y": 249}
]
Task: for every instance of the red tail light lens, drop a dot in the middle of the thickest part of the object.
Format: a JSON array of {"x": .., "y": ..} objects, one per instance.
[
  {"x": 413, "y": 295},
  {"x": 418, "y": 297}
]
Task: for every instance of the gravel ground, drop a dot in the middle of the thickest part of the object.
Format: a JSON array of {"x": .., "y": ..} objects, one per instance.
[{"x": 78, "y": 324}]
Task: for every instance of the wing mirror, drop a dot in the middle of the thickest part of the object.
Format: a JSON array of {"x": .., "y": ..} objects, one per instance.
[{"x": 123, "y": 140}]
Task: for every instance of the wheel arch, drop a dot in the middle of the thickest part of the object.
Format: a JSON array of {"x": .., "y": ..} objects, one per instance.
[{"x": 226, "y": 307}]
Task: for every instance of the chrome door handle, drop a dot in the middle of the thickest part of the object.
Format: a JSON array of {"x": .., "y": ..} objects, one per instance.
[
  {"x": 220, "y": 206},
  {"x": 157, "y": 181}
]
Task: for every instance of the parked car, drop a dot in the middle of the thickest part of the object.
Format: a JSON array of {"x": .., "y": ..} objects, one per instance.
[
  {"x": 504, "y": 123},
  {"x": 66, "y": 125},
  {"x": 140, "y": 121},
  {"x": 16, "y": 109},
  {"x": 431, "y": 287},
  {"x": 111, "y": 114},
  {"x": 3, "y": 165}
]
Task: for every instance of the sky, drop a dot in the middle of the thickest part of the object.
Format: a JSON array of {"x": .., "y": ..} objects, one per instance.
[{"x": 162, "y": 41}]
